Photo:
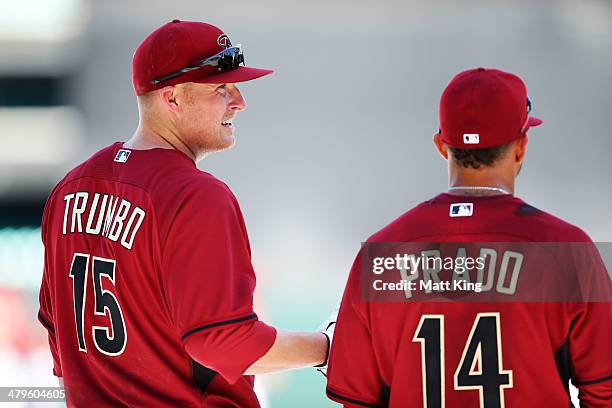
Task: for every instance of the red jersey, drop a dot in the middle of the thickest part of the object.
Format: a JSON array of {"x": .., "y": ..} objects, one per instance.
[
  {"x": 470, "y": 354},
  {"x": 147, "y": 292}
]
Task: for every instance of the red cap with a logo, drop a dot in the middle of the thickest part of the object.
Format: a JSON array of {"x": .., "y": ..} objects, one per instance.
[
  {"x": 484, "y": 107},
  {"x": 180, "y": 44}
]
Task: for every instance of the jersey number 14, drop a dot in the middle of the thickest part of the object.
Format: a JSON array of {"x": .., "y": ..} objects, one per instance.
[{"x": 480, "y": 367}]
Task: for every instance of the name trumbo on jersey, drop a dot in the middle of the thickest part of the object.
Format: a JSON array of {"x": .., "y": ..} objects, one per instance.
[{"x": 105, "y": 215}]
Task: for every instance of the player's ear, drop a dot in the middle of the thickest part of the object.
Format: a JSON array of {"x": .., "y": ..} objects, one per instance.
[
  {"x": 440, "y": 146},
  {"x": 168, "y": 96},
  {"x": 520, "y": 149}
]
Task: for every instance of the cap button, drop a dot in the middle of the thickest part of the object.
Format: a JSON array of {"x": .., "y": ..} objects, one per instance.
[
  {"x": 176, "y": 21},
  {"x": 481, "y": 69}
]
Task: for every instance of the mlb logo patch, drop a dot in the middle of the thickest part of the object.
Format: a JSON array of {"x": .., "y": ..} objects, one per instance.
[
  {"x": 461, "y": 210},
  {"x": 471, "y": 138},
  {"x": 122, "y": 156}
]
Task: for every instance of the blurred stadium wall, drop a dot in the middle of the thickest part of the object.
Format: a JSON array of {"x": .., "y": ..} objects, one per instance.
[{"x": 332, "y": 147}]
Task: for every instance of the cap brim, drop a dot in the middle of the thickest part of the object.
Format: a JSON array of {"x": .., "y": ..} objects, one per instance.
[
  {"x": 240, "y": 74},
  {"x": 533, "y": 121}
]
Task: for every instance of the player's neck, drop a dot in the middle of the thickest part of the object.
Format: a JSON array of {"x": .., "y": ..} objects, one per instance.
[
  {"x": 485, "y": 182},
  {"x": 146, "y": 137}
]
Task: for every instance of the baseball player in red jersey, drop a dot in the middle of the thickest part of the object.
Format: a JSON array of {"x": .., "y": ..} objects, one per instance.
[
  {"x": 436, "y": 354},
  {"x": 147, "y": 291}
]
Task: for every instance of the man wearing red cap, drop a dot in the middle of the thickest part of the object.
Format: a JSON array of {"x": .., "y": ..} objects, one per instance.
[
  {"x": 147, "y": 291},
  {"x": 426, "y": 343}
]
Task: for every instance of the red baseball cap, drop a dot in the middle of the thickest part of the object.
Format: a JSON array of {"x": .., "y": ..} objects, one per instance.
[
  {"x": 484, "y": 107},
  {"x": 180, "y": 44}
]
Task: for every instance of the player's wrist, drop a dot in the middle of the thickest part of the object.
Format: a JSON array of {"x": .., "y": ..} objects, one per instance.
[
  {"x": 326, "y": 358},
  {"x": 327, "y": 329}
]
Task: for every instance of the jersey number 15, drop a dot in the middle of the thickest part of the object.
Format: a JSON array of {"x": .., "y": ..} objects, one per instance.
[{"x": 103, "y": 300}]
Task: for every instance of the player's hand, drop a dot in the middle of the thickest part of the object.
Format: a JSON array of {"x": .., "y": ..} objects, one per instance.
[{"x": 327, "y": 328}]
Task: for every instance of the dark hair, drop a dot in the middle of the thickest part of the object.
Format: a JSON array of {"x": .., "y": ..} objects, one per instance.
[{"x": 476, "y": 158}]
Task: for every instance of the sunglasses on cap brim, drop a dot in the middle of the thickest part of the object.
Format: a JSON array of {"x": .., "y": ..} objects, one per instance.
[
  {"x": 228, "y": 59},
  {"x": 524, "y": 127}
]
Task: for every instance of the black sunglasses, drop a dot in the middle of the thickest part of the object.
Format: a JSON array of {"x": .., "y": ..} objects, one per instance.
[
  {"x": 528, "y": 105},
  {"x": 228, "y": 59},
  {"x": 527, "y": 118}
]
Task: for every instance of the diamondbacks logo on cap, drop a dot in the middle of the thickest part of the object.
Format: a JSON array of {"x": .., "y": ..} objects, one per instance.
[
  {"x": 471, "y": 138},
  {"x": 461, "y": 210},
  {"x": 122, "y": 156},
  {"x": 224, "y": 41}
]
